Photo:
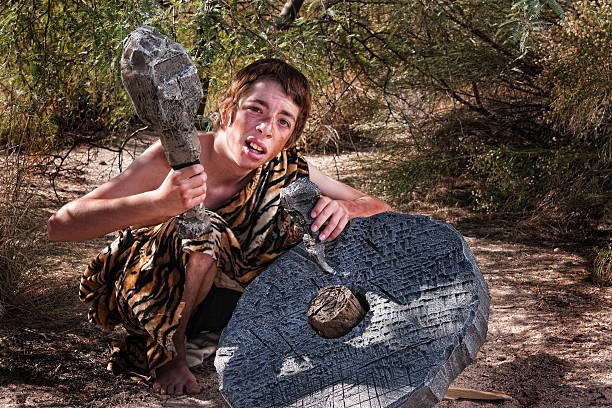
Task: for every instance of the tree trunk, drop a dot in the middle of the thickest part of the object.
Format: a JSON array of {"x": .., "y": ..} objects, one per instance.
[{"x": 289, "y": 13}]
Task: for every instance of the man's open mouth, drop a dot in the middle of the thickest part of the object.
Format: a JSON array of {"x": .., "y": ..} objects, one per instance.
[{"x": 255, "y": 148}]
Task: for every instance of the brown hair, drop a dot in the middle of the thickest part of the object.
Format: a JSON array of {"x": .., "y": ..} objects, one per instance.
[{"x": 294, "y": 84}]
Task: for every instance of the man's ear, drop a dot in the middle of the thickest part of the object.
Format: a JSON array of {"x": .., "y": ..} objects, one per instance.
[{"x": 226, "y": 119}]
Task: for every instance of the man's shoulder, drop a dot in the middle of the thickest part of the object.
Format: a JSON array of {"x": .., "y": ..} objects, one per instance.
[
  {"x": 289, "y": 156},
  {"x": 290, "y": 163}
]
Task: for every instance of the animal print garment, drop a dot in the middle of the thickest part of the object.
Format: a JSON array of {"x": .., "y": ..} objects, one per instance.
[{"x": 138, "y": 279}]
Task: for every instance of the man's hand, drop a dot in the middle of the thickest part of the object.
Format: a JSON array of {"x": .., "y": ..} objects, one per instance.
[
  {"x": 181, "y": 190},
  {"x": 330, "y": 211},
  {"x": 338, "y": 204}
]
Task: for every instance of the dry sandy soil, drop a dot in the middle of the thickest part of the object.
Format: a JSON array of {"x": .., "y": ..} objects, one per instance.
[{"x": 549, "y": 342}]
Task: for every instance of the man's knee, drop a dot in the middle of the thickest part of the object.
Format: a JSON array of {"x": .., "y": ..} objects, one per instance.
[
  {"x": 199, "y": 275},
  {"x": 201, "y": 266}
]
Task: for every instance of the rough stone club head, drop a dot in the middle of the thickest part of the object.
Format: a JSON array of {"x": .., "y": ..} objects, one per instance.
[
  {"x": 163, "y": 83},
  {"x": 298, "y": 199}
]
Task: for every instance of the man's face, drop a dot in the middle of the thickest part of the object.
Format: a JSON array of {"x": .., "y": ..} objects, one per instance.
[{"x": 264, "y": 120}]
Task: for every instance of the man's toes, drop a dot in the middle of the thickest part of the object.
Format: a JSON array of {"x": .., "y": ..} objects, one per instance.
[
  {"x": 157, "y": 388},
  {"x": 178, "y": 389},
  {"x": 192, "y": 387}
]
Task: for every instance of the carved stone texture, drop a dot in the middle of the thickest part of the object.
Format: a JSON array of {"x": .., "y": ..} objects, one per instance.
[
  {"x": 334, "y": 311},
  {"x": 163, "y": 83},
  {"x": 429, "y": 307},
  {"x": 298, "y": 199}
]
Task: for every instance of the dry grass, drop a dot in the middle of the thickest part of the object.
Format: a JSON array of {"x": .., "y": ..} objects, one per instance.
[
  {"x": 24, "y": 246},
  {"x": 602, "y": 267},
  {"x": 15, "y": 229}
]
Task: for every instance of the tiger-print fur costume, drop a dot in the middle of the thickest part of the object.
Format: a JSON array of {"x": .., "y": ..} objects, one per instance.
[{"x": 138, "y": 279}]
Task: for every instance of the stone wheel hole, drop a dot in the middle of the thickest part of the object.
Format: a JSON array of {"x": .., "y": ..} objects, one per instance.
[{"x": 335, "y": 310}]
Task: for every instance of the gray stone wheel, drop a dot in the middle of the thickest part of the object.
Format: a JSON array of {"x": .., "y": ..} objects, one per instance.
[{"x": 427, "y": 317}]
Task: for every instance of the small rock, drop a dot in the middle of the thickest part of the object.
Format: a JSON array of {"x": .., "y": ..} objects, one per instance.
[
  {"x": 102, "y": 163},
  {"x": 569, "y": 263},
  {"x": 556, "y": 249}
]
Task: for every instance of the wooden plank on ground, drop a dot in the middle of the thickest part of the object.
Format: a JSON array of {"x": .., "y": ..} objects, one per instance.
[{"x": 454, "y": 393}]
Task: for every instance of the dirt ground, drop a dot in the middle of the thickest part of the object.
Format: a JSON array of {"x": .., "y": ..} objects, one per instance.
[{"x": 549, "y": 342}]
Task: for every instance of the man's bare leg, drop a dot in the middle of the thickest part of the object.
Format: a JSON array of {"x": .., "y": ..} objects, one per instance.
[{"x": 175, "y": 378}]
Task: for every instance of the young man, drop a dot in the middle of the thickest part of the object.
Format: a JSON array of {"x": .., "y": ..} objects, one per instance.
[{"x": 156, "y": 284}]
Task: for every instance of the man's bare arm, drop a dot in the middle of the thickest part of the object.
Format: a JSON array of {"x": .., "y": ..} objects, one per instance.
[
  {"x": 340, "y": 203},
  {"x": 146, "y": 193}
]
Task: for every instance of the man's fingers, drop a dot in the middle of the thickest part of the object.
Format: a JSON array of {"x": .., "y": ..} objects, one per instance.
[
  {"x": 339, "y": 228},
  {"x": 323, "y": 215},
  {"x": 331, "y": 226},
  {"x": 198, "y": 198},
  {"x": 198, "y": 192},
  {"x": 192, "y": 187},
  {"x": 195, "y": 181},
  {"x": 319, "y": 206},
  {"x": 189, "y": 175},
  {"x": 190, "y": 171},
  {"x": 334, "y": 227},
  {"x": 331, "y": 212}
]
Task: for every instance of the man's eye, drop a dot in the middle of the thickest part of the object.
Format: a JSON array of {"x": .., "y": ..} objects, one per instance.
[
  {"x": 283, "y": 122},
  {"x": 255, "y": 109}
]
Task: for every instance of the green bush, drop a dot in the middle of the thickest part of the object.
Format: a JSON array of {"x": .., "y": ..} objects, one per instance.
[
  {"x": 578, "y": 68},
  {"x": 511, "y": 178},
  {"x": 60, "y": 71}
]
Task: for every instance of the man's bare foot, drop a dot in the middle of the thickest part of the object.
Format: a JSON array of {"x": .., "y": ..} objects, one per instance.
[{"x": 175, "y": 378}]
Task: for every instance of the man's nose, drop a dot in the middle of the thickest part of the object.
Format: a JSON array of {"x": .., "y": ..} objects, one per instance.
[{"x": 265, "y": 127}]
